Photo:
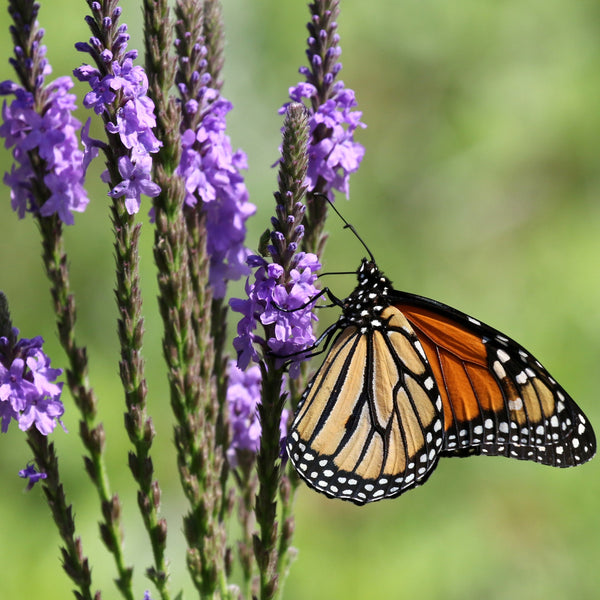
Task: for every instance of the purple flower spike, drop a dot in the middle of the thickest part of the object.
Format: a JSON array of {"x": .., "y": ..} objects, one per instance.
[
  {"x": 40, "y": 128},
  {"x": 30, "y": 473},
  {"x": 288, "y": 282},
  {"x": 292, "y": 331},
  {"x": 333, "y": 153},
  {"x": 243, "y": 398},
  {"x": 119, "y": 94}
]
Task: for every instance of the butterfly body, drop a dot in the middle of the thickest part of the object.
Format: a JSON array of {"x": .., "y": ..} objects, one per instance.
[{"x": 408, "y": 380}]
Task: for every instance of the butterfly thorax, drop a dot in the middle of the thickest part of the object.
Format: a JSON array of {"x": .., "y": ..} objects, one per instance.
[{"x": 363, "y": 307}]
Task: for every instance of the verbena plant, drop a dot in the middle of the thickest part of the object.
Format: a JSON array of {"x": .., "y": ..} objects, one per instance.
[{"x": 165, "y": 138}]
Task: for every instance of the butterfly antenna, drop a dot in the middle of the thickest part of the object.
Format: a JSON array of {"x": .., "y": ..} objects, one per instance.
[{"x": 348, "y": 226}]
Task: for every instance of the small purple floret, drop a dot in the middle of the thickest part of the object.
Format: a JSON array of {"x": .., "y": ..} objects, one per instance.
[
  {"x": 136, "y": 181},
  {"x": 30, "y": 473}
]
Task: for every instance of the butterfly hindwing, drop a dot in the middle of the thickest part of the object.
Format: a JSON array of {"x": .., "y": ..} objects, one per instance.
[
  {"x": 370, "y": 423},
  {"x": 498, "y": 399}
]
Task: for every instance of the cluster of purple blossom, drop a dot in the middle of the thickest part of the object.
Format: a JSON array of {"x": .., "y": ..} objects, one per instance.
[
  {"x": 243, "y": 397},
  {"x": 291, "y": 330},
  {"x": 119, "y": 95},
  {"x": 332, "y": 152},
  {"x": 43, "y": 127},
  {"x": 28, "y": 392},
  {"x": 211, "y": 171}
]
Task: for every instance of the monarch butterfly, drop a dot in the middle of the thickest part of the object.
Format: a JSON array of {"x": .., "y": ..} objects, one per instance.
[{"x": 409, "y": 380}]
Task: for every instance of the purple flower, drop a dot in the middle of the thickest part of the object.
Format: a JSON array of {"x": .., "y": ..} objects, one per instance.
[
  {"x": 101, "y": 95},
  {"x": 332, "y": 152},
  {"x": 43, "y": 126},
  {"x": 30, "y": 473},
  {"x": 28, "y": 392},
  {"x": 243, "y": 397},
  {"x": 212, "y": 171},
  {"x": 135, "y": 121},
  {"x": 119, "y": 94},
  {"x": 291, "y": 331},
  {"x": 136, "y": 181}
]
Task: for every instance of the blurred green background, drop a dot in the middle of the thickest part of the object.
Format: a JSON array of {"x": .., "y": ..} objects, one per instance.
[{"x": 480, "y": 187}]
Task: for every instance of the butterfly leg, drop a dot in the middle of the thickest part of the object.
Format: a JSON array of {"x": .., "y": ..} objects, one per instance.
[{"x": 335, "y": 301}]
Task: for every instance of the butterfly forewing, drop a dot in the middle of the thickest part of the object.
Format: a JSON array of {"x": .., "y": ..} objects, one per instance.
[
  {"x": 370, "y": 423},
  {"x": 498, "y": 399}
]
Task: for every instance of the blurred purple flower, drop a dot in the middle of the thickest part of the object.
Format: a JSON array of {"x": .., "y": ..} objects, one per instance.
[
  {"x": 212, "y": 171},
  {"x": 243, "y": 397}
]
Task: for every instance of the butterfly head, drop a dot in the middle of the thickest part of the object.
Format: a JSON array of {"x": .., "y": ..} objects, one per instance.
[{"x": 363, "y": 307}]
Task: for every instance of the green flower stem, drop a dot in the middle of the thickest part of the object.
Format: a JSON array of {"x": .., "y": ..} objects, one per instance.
[
  {"x": 130, "y": 326},
  {"x": 285, "y": 552},
  {"x": 272, "y": 550},
  {"x": 268, "y": 467},
  {"x": 92, "y": 435},
  {"x": 180, "y": 348},
  {"x": 203, "y": 435},
  {"x": 56, "y": 266},
  {"x": 204, "y": 529},
  {"x": 75, "y": 563},
  {"x": 246, "y": 482}
]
